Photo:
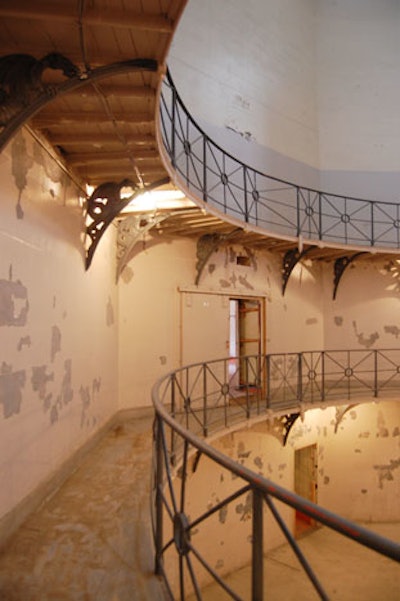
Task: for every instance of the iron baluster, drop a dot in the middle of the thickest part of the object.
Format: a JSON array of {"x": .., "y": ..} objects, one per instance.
[
  {"x": 300, "y": 377},
  {"x": 205, "y": 416},
  {"x": 205, "y": 193},
  {"x": 257, "y": 569},
  {"x": 246, "y": 208},
  {"x": 372, "y": 224},
  {"x": 173, "y": 127},
  {"x": 159, "y": 500},
  {"x": 375, "y": 373},
  {"x": 298, "y": 211}
]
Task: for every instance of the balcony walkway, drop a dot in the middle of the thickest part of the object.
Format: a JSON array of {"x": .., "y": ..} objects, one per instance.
[{"x": 91, "y": 541}]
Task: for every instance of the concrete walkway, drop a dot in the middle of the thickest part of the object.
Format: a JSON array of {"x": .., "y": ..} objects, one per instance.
[{"x": 92, "y": 540}]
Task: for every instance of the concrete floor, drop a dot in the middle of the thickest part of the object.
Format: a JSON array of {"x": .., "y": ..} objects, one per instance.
[
  {"x": 347, "y": 571},
  {"x": 92, "y": 542}
]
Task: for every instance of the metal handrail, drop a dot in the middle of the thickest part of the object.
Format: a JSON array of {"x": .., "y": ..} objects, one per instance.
[
  {"x": 199, "y": 390},
  {"x": 279, "y": 207}
]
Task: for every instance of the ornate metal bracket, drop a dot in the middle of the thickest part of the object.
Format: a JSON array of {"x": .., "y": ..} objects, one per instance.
[
  {"x": 206, "y": 245},
  {"x": 340, "y": 267},
  {"x": 340, "y": 413},
  {"x": 26, "y": 75},
  {"x": 130, "y": 230},
  {"x": 106, "y": 202},
  {"x": 290, "y": 260},
  {"x": 103, "y": 206},
  {"x": 282, "y": 425}
]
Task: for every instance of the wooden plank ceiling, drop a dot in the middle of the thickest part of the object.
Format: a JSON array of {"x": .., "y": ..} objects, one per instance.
[{"x": 105, "y": 130}]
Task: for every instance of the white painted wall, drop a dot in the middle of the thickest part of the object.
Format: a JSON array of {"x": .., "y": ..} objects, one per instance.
[
  {"x": 250, "y": 68},
  {"x": 303, "y": 90},
  {"x": 58, "y": 324},
  {"x": 365, "y": 313}
]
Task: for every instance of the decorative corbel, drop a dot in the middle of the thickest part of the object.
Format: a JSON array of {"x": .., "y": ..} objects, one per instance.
[
  {"x": 102, "y": 207},
  {"x": 290, "y": 260},
  {"x": 282, "y": 425},
  {"x": 340, "y": 413},
  {"x": 206, "y": 245},
  {"x": 130, "y": 230},
  {"x": 23, "y": 94},
  {"x": 340, "y": 266}
]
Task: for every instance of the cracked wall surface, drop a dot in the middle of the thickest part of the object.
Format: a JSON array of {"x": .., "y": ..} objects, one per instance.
[{"x": 55, "y": 338}]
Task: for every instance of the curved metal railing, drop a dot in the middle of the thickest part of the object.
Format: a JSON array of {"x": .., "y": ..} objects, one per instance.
[
  {"x": 196, "y": 401},
  {"x": 279, "y": 207}
]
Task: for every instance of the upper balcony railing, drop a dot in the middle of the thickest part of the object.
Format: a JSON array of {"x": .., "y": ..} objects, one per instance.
[
  {"x": 196, "y": 401},
  {"x": 279, "y": 207}
]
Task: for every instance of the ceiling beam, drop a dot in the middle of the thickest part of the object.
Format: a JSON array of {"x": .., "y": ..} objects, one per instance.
[
  {"x": 93, "y": 158},
  {"x": 145, "y": 92},
  {"x": 51, "y": 119},
  {"x": 60, "y": 138},
  {"x": 121, "y": 18}
]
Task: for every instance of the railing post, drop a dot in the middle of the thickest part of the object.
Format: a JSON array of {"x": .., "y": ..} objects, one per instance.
[
  {"x": 173, "y": 112},
  {"x": 173, "y": 415},
  {"x": 205, "y": 195},
  {"x": 300, "y": 377},
  {"x": 246, "y": 207},
  {"x": 320, "y": 216},
  {"x": 322, "y": 376},
  {"x": 298, "y": 210},
  {"x": 159, "y": 504},
  {"x": 372, "y": 224},
  {"x": 268, "y": 380},
  {"x": 257, "y": 573},
  {"x": 205, "y": 423},
  {"x": 375, "y": 373}
]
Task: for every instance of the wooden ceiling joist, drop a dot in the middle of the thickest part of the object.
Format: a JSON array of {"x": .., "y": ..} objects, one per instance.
[
  {"x": 58, "y": 119},
  {"x": 62, "y": 138},
  {"x": 150, "y": 157},
  {"x": 114, "y": 17}
]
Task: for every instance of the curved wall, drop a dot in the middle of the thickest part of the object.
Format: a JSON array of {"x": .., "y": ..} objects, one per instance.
[{"x": 304, "y": 90}]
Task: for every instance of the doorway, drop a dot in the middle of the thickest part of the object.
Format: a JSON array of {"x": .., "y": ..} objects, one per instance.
[
  {"x": 305, "y": 484},
  {"x": 245, "y": 340}
]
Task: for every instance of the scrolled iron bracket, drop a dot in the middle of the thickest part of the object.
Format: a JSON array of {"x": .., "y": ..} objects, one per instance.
[
  {"x": 290, "y": 260},
  {"x": 206, "y": 245},
  {"x": 39, "y": 96},
  {"x": 340, "y": 266},
  {"x": 340, "y": 413},
  {"x": 130, "y": 230},
  {"x": 106, "y": 201},
  {"x": 281, "y": 426}
]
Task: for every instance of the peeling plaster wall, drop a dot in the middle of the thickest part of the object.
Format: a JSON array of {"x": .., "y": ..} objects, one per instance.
[
  {"x": 167, "y": 321},
  {"x": 58, "y": 377},
  {"x": 358, "y": 477},
  {"x": 365, "y": 313}
]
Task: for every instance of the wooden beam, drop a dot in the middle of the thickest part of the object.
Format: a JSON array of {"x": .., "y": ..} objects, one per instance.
[
  {"x": 97, "y": 140},
  {"x": 93, "y": 158},
  {"x": 114, "y": 17},
  {"x": 63, "y": 117},
  {"x": 145, "y": 92}
]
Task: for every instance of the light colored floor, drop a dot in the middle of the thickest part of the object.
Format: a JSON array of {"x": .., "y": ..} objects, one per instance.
[
  {"x": 91, "y": 541},
  {"x": 347, "y": 571}
]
